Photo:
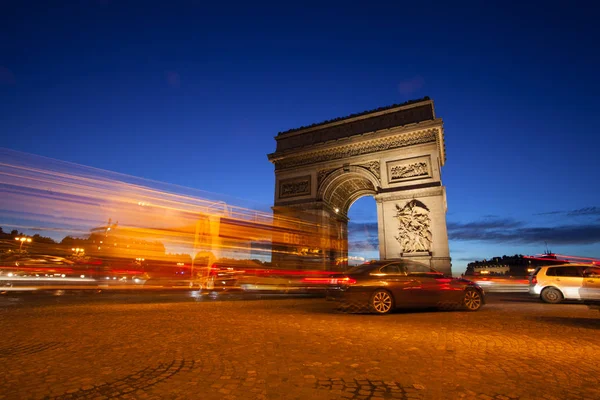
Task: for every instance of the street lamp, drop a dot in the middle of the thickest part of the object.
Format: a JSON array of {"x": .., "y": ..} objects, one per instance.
[{"x": 22, "y": 239}]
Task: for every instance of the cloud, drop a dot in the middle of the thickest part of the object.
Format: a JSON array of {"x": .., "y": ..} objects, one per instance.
[
  {"x": 409, "y": 86},
  {"x": 585, "y": 211},
  {"x": 469, "y": 259},
  {"x": 575, "y": 213},
  {"x": 363, "y": 236},
  {"x": 173, "y": 79},
  {"x": 510, "y": 231},
  {"x": 356, "y": 246},
  {"x": 7, "y": 77},
  {"x": 486, "y": 224}
]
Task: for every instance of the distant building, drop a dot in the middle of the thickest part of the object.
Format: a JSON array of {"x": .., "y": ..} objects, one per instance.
[{"x": 517, "y": 265}]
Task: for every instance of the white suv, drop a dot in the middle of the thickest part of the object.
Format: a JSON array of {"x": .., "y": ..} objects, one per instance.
[{"x": 556, "y": 283}]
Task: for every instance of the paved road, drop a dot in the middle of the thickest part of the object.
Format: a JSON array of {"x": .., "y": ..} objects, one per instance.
[{"x": 174, "y": 346}]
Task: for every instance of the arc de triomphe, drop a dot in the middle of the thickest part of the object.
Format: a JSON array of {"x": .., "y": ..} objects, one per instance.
[{"x": 394, "y": 154}]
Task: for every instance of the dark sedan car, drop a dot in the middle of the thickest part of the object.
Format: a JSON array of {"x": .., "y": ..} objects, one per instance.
[{"x": 382, "y": 286}]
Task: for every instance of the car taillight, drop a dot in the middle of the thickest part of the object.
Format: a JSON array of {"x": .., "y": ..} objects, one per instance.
[
  {"x": 321, "y": 281},
  {"x": 345, "y": 280},
  {"x": 533, "y": 280}
]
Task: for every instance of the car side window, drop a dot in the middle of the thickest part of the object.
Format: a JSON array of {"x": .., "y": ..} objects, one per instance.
[
  {"x": 417, "y": 268},
  {"x": 568, "y": 271},
  {"x": 592, "y": 273},
  {"x": 551, "y": 272},
  {"x": 392, "y": 269}
]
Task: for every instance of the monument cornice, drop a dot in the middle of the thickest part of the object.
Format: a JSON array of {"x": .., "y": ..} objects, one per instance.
[
  {"x": 358, "y": 117},
  {"x": 342, "y": 148},
  {"x": 409, "y": 194},
  {"x": 313, "y": 146}
]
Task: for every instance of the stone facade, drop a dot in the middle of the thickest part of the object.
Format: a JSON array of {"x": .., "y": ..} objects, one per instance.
[{"x": 393, "y": 154}]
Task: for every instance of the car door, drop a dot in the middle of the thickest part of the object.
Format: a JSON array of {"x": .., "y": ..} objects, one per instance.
[
  {"x": 569, "y": 280},
  {"x": 394, "y": 277},
  {"x": 426, "y": 285},
  {"x": 591, "y": 284}
]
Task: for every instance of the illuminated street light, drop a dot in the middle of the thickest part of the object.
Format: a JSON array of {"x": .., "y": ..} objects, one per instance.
[{"x": 23, "y": 239}]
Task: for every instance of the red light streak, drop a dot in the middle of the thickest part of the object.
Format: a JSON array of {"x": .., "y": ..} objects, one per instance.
[{"x": 589, "y": 259}]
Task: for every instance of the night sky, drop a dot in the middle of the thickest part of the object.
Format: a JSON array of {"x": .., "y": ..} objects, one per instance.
[{"x": 193, "y": 95}]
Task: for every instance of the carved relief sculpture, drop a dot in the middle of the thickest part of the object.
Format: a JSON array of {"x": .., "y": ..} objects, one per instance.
[
  {"x": 414, "y": 232},
  {"x": 294, "y": 187},
  {"x": 373, "y": 166},
  {"x": 409, "y": 170},
  {"x": 323, "y": 173}
]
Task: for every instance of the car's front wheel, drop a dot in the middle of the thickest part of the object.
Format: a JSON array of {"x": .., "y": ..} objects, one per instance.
[
  {"x": 472, "y": 300},
  {"x": 381, "y": 302},
  {"x": 551, "y": 295}
]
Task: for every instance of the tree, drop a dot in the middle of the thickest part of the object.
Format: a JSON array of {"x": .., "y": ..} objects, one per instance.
[
  {"x": 37, "y": 238},
  {"x": 71, "y": 241}
]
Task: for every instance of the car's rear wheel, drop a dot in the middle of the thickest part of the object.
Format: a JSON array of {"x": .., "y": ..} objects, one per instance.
[
  {"x": 551, "y": 295},
  {"x": 472, "y": 300},
  {"x": 381, "y": 302}
]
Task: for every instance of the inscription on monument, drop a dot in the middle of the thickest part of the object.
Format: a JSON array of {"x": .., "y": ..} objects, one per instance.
[
  {"x": 294, "y": 187},
  {"x": 405, "y": 170}
]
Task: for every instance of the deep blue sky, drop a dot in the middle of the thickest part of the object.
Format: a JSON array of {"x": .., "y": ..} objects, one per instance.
[{"x": 192, "y": 94}]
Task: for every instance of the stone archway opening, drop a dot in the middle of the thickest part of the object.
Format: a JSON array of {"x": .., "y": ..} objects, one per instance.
[
  {"x": 363, "y": 231},
  {"x": 338, "y": 190},
  {"x": 342, "y": 187}
]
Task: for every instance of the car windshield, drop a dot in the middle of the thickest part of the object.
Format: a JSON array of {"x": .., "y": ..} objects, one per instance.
[{"x": 359, "y": 269}]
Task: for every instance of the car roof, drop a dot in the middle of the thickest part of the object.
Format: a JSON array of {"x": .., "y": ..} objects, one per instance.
[{"x": 390, "y": 260}]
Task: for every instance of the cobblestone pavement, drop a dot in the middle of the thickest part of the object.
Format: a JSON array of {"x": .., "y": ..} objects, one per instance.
[{"x": 295, "y": 349}]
